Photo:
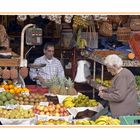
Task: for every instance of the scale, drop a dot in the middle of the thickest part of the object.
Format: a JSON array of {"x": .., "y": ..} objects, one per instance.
[{"x": 33, "y": 38}]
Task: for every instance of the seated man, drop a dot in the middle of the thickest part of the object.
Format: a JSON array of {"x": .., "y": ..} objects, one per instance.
[{"x": 53, "y": 66}]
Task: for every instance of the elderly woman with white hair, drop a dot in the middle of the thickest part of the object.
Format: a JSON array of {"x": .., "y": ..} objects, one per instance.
[{"x": 121, "y": 95}]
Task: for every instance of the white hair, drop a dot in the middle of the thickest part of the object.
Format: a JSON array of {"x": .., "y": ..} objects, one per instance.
[{"x": 113, "y": 60}]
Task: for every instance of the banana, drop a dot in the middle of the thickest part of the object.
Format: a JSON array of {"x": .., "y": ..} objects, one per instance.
[
  {"x": 68, "y": 104},
  {"x": 101, "y": 123},
  {"x": 68, "y": 99}
]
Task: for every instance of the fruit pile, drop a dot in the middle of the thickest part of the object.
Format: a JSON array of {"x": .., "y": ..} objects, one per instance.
[
  {"x": 61, "y": 86},
  {"x": 10, "y": 87},
  {"x": 51, "y": 110},
  {"x": 80, "y": 101},
  {"x": 107, "y": 120},
  {"x": 106, "y": 83},
  {"x": 6, "y": 98},
  {"x": 84, "y": 122},
  {"x": 53, "y": 122},
  {"x": 32, "y": 99},
  {"x": 18, "y": 113}
]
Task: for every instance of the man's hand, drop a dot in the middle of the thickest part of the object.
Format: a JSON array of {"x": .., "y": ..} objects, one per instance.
[{"x": 41, "y": 80}]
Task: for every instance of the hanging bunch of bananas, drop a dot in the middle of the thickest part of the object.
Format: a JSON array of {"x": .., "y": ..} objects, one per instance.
[
  {"x": 107, "y": 120},
  {"x": 78, "y": 21},
  {"x": 81, "y": 43}
]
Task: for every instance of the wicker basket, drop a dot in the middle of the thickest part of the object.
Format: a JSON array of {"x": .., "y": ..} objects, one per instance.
[
  {"x": 135, "y": 24},
  {"x": 123, "y": 34},
  {"x": 106, "y": 29}
]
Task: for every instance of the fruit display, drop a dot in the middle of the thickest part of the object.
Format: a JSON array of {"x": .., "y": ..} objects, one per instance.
[
  {"x": 80, "y": 101},
  {"x": 32, "y": 99},
  {"x": 18, "y": 113},
  {"x": 106, "y": 83},
  {"x": 107, "y": 120},
  {"x": 84, "y": 122},
  {"x": 53, "y": 122},
  {"x": 51, "y": 110},
  {"x": 61, "y": 86},
  {"x": 10, "y": 87},
  {"x": 7, "y": 98}
]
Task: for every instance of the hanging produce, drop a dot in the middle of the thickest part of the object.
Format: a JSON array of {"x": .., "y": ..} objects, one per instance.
[
  {"x": 13, "y": 73},
  {"x": 78, "y": 21},
  {"x": 6, "y": 74},
  {"x": 23, "y": 72}
]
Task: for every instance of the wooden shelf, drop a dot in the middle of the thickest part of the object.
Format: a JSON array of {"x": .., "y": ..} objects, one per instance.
[{"x": 13, "y": 62}]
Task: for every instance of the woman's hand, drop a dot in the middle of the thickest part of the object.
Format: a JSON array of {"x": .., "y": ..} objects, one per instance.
[{"x": 101, "y": 88}]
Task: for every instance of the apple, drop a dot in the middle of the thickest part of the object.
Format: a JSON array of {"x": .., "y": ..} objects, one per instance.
[
  {"x": 46, "y": 109},
  {"x": 56, "y": 110},
  {"x": 38, "y": 107},
  {"x": 41, "y": 108},
  {"x": 57, "y": 106},
  {"x": 41, "y": 113},
  {"x": 57, "y": 114},
  {"x": 61, "y": 110},
  {"x": 47, "y": 113},
  {"x": 37, "y": 112},
  {"x": 61, "y": 114},
  {"x": 51, "y": 114}
]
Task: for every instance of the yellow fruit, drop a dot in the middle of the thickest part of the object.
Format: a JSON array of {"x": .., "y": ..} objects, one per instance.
[
  {"x": 12, "y": 91},
  {"x": 6, "y": 87},
  {"x": 18, "y": 90},
  {"x": 11, "y": 86}
]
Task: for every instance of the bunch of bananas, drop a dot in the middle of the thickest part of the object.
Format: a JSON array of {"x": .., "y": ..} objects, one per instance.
[
  {"x": 79, "y": 21},
  {"x": 84, "y": 122},
  {"x": 80, "y": 101},
  {"x": 107, "y": 120},
  {"x": 80, "y": 42},
  {"x": 68, "y": 102}
]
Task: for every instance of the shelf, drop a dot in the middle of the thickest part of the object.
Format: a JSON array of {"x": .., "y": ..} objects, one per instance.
[{"x": 13, "y": 62}]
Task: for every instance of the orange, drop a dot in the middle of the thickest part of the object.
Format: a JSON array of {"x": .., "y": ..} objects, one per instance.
[
  {"x": 18, "y": 90},
  {"x": 7, "y": 90},
  {"x": 6, "y": 87},
  {"x": 25, "y": 89},
  {"x": 11, "y": 86},
  {"x": 12, "y": 91},
  {"x": 131, "y": 55},
  {"x": 15, "y": 88}
]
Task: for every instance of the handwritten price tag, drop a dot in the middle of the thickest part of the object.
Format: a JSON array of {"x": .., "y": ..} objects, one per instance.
[{"x": 44, "y": 103}]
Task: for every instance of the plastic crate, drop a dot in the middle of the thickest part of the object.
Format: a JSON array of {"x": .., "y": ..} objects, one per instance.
[{"x": 130, "y": 120}]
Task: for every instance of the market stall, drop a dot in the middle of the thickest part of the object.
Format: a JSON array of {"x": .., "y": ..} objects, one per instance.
[{"x": 56, "y": 101}]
